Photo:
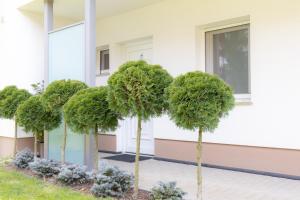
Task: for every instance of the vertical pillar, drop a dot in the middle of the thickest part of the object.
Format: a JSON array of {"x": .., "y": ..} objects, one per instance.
[
  {"x": 90, "y": 68},
  {"x": 48, "y": 26}
]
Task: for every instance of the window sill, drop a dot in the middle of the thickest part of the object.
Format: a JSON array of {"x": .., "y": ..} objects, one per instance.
[
  {"x": 103, "y": 74},
  {"x": 243, "y": 99}
]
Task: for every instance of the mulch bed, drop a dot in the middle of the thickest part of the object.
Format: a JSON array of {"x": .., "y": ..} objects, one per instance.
[
  {"x": 143, "y": 195},
  {"x": 83, "y": 188}
]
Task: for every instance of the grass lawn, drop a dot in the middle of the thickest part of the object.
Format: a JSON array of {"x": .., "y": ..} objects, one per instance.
[{"x": 17, "y": 186}]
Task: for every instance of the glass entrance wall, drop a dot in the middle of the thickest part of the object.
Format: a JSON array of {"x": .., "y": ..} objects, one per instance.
[{"x": 66, "y": 61}]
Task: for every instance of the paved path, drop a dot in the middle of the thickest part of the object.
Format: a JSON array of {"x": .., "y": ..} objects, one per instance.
[{"x": 218, "y": 184}]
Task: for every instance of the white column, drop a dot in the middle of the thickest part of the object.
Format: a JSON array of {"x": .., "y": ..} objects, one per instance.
[
  {"x": 90, "y": 42},
  {"x": 90, "y": 68},
  {"x": 48, "y": 26}
]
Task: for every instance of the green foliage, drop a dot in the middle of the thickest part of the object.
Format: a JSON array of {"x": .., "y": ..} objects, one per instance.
[
  {"x": 58, "y": 92},
  {"x": 199, "y": 100},
  {"x": 7, "y": 91},
  {"x": 137, "y": 89},
  {"x": 10, "y": 98},
  {"x": 34, "y": 117},
  {"x": 89, "y": 107}
]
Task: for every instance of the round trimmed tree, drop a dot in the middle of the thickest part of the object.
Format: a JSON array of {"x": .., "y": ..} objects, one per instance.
[
  {"x": 197, "y": 101},
  {"x": 137, "y": 90},
  {"x": 33, "y": 116},
  {"x": 56, "y": 95},
  {"x": 88, "y": 109},
  {"x": 10, "y": 98}
]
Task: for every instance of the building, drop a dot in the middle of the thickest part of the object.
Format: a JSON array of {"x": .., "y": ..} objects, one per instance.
[{"x": 253, "y": 45}]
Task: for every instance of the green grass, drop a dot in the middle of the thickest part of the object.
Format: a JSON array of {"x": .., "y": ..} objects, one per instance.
[{"x": 17, "y": 186}]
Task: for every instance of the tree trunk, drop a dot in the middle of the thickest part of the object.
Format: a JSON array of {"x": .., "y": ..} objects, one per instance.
[
  {"x": 96, "y": 153},
  {"x": 35, "y": 146},
  {"x": 137, "y": 158},
  {"x": 199, "y": 171},
  {"x": 64, "y": 144},
  {"x": 15, "y": 138}
]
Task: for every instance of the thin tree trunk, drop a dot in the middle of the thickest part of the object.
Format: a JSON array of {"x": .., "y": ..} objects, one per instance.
[
  {"x": 15, "y": 138},
  {"x": 35, "y": 147},
  {"x": 96, "y": 155},
  {"x": 64, "y": 144},
  {"x": 137, "y": 158},
  {"x": 199, "y": 171}
]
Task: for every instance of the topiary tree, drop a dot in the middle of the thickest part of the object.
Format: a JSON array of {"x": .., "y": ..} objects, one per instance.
[
  {"x": 137, "y": 90},
  {"x": 10, "y": 98},
  {"x": 35, "y": 118},
  {"x": 56, "y": 95},
  {"x": 88, "y": 109},
  {"x": 197, "y": 101}
]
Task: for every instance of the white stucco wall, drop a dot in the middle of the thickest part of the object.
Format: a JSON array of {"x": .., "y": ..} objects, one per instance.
[
  {"x": 272, "y": 118},
  {"x": 21, "y": 52}
]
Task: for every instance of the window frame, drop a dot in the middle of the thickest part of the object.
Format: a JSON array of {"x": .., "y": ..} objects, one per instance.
[
  {"x": 99, "y": 57},
  {"x": 208, "y": 38}
]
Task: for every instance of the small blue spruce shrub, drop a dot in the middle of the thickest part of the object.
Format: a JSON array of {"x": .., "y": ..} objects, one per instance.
[
  {"x": 23, "y": 158},
  {"x": 112, "y": 182},
  {"x": 45, "y": 168},
  {"x": 166, "y": 191},
  {"x": 74, "y": 174}
]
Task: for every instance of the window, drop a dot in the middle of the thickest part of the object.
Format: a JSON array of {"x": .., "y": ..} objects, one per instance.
[
  {"x": 103, "y": 61},
  {"x": 227, "y": 55}
]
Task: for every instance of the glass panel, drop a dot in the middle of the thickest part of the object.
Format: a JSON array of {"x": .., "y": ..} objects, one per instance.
[
  {"x": 104, "y": 60},
  {"x": 66, "y": 61},
  {"x": 230, "y": 59}
]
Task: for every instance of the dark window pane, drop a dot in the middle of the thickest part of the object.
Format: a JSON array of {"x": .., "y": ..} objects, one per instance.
[
  {"x": 230, "y": 59},
  {"x": 104, "y": 60}
]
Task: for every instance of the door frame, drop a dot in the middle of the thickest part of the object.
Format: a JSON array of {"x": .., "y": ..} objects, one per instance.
[{"x": 126, "y": 126}]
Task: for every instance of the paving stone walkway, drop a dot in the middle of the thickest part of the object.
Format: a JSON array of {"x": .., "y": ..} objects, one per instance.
[{"x": 218, "y": 184}]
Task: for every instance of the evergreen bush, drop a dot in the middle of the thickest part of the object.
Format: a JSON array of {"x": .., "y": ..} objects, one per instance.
[
  {"x": 45, "y": 168},
  {"x": 88, "y": 110},
  {"x": 197, "y": 101},
  {"x": 56, "y": 96},
  {"x": 112, "y": 182},
  {"x": 166, "y": 191},
  {"x": 74, "y": 174},
  {"x": 137, "y": 90},
  {"x": 23, "y": 158}
]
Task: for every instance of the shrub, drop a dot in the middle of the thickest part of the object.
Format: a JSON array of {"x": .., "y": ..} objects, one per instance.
[
  {"x": 112, "y": 182},
  {"x": 33, "y": 117},
  {"x": 137, "y": 90},
  {"x": 45, "y": 168},
  {"x": 197, "y": 101},
  {"x": 23, "y": 158},
  {"x": 10, "y": 98},
  {"x": 58, "y": 92},
  {"x": 56, "y": 95},
  {"x": 167, "y": 191},
  {"x": 88, "y": 109},
  {"x": 74, "y": 174}
]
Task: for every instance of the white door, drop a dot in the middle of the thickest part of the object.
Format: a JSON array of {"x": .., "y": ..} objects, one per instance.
[{"x": 139, "y": 51}]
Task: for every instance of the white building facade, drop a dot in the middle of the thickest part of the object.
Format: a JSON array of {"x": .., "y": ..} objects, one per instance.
[{"x": 253, "y": 45}]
